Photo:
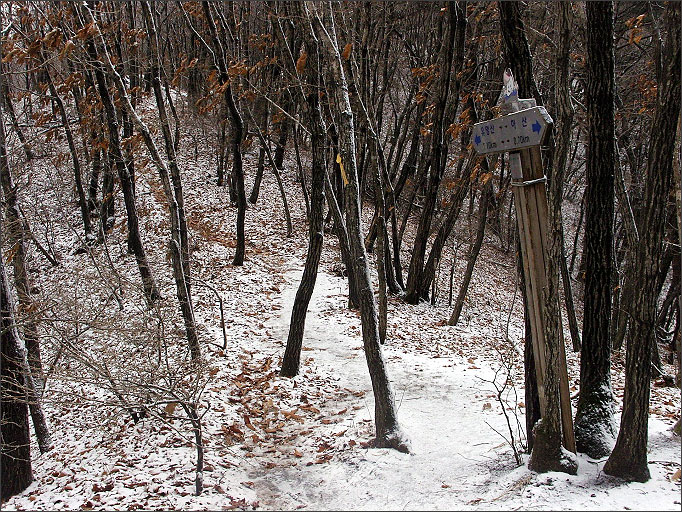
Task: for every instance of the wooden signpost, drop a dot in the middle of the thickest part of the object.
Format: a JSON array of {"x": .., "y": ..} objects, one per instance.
[{"x": 521, "y": 134}]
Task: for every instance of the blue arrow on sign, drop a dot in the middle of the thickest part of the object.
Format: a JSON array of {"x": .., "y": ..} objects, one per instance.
[
  {"x": 477, "y": 140},
  {"x": 536, "y": 126}
]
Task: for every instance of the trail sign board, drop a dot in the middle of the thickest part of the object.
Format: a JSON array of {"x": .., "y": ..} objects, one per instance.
[{"x": 522, "y": 129}]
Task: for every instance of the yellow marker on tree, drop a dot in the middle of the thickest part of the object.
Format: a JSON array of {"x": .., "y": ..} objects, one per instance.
[{"x": 343, "y": 173}]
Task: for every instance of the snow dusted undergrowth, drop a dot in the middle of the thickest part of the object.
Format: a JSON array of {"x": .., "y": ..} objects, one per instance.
[{"x": 275, "y": 443}]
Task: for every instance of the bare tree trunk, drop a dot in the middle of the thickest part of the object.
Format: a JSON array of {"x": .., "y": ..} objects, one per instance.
[
  {"x": 678, "y": 202},
  {"x": 30, "y": 365},
  {"x": 281, "y": 142},
  {"x": 107, "y": 212},
  {"x": 520, "y": 60},
  {"x": 568, "y": 298},
  {"x": 344, "y": 245},
  {"x": 474, "y": 250},
  {"x": 222, "y": 137},
  {"x": 178, "y": 245},
  {"x": 151, "y": 292},
  {"x": 594, "y": 424},
  {"x": 237, "y": 134},
  {"x": 548, "y": 453},
  {"x": 301, "y": 174},
  {"x": 15, "y": 449},
  {"x": 628, "y": 459},
  {"x": 563, "y": 141},
  {"x": 16, "y": 237},
  {"x": 388, "y": 431},
  {"x": 453, "y": 45},
  {"x": 253, "y": 197},
  {"x": 389, "y": 274},
  {"x": 82, "y": 201},
  {"x": 456, "y": 199},
  {"x": 278, "y": 177},
  {"x": 9, "y": 108},
  {"x": 292, "y": 355},
  {"x": 94, "y": 177}
]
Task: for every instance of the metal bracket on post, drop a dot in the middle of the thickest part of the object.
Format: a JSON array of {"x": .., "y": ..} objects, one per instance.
[{"x": 529, "y": 182}]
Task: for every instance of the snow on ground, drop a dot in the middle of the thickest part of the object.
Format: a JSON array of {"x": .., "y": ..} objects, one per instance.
[
  {"x": 274, "y": 443},
  {"x": 458, "y": 461}
]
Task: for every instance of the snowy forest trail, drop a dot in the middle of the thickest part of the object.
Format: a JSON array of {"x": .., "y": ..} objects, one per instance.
[
  {"x": 451, "y": 448},
  {"x": 276, "y": 443},
  {"x": 168, "y": 169},
  {"x": 458, "y": 460}
]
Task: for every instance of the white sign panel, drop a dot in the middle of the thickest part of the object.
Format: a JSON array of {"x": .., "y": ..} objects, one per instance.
[{"x": 521, "y": 129}]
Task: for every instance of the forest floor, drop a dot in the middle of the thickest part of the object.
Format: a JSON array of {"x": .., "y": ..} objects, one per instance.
[{"x": 302, "y": 443}]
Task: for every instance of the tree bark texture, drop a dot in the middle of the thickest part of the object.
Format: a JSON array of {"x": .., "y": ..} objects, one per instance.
[
  {"x": 517, "y": 50},
  {"x": 628, "y": 459},
  {"x": 594, "y": 423},
  {"x": 520, "y": 60},
  {"x": 563, "y": 122},
  {"x": 542, "y": 288}
]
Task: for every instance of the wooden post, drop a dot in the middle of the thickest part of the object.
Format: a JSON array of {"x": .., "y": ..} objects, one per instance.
[
  {"x": 532, "y": 214},
  {"x": 521, "y": 132}
]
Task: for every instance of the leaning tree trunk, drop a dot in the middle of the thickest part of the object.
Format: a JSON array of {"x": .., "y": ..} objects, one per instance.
[
  {"x": 107, "y": 212},
  {"x": 78, "y": 180},
  {"x": 292, "y": 355},
  {"x": 548, "y": 453},
  {"x": 9, "y": 107},
  {"x": 178, "y": 245},
  {"x": 94, "y": 175},
  {"x": 260, "y": 170},
  {"x": 278, "y": 177},
  {"x": 151, "y": 292},
  {"x": 462, "y": 182},
  {"x": 344, "y": 245},
  {"x": 388, "y": 431},
  {"x": 517, "y": 53},
  {"x": 628, "y": 459},
  {"x": 678, "y": 203},
  {"x": 15, "y": 236},
  {"x": 30, "y": 364},
  {"x": 594, "y": 423},
  {"x": 385, "y": 205},
  {"x": 474, "y": 250},
  {"x": 237, "y": 134},
  {"x": 15, "y": 443}
]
